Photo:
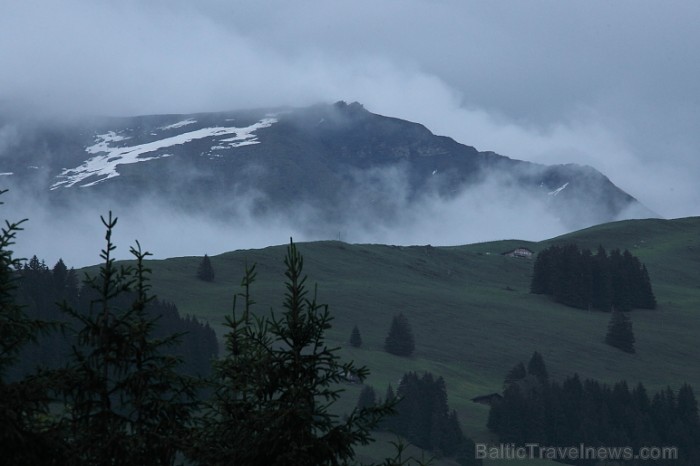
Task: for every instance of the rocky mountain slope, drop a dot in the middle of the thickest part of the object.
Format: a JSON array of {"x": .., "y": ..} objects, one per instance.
[{"x": 338, "y": 161}]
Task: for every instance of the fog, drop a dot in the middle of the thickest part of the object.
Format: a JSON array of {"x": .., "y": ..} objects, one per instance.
[
  {"x": 379, "y": 210},
  {"x": 614, "y": 85}
]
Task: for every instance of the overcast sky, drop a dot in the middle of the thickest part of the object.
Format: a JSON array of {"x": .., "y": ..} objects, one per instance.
[{"x": 615, "y": 85}]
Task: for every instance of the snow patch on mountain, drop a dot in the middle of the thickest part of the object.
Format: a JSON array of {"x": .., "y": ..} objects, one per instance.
[
  {"x": 559, "y": 189},
  {"x": 103, "y": 165},
  {"x": 179, "y": 124}
]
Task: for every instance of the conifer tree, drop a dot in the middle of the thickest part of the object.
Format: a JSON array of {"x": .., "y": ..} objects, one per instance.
[
  {"x": 537, "y": 368},
  {"x": 355, "y": 338},
  {"x": 25, "y": 437},
  {"x": 424, "y": 418},
  {"x": 400, "y": 340},
  {"x": 274, "y": 388},
  {"x": 125, "y": 403},
  {"x": 543, "y": 271},
  {"x": 647, "y": 300},
  {"x": 205, "y": 271},
  {"x": 518, "y": 372},
  {"x": 620, "y": 334},
  {"x": 368, "y": 397},
  {"x": 601, "y": 291}
]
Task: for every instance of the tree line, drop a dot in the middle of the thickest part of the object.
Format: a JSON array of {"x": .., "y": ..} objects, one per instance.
[
  {"x": 535, "y": 409},
  {"x": 578, "y": 278},
  {"x": 41, "y": 290}
]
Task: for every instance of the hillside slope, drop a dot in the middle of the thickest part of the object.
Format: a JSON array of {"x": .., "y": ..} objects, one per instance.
[{"x": 471, "y": 309}]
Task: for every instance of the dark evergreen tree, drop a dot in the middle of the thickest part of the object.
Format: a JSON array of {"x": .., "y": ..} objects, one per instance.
[
  {"x": 355, "y": 338},
  {"x": 518, "y": 372},
  {"x": 647, "y": 300},
  {"x": 276, "y": 384},
  {"x": 537, "y": 368},
  {"x": 601, "y": 292},
  {"x": 543, "y": 272},
  {"x": 687, "y": 427},
  {"x": 390, "y": 395},
  {"x": 423, "y": 417},
  {"x": 368, "y": 398},
  {"x": 512, "y": 418},
  {"x": 205, "y": 271},
  {"x": 620, "y": 334},
  {"x": 687, "y": 407},
  {"x": 622, "y": 282},
  {"x": 570, "y": 281},
  {"x": 400, "y": 340},
  {"x": 25, "y": 437},
  {"x": 125, "y": 403},
  {"x": 389, "y": 422}
]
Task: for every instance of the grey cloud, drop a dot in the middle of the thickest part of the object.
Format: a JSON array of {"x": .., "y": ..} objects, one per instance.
[
  {"x": 493, "y": 209},
  {"x": 611, "y": 84}
]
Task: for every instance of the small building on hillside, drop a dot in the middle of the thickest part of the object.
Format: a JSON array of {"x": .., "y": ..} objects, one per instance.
[
  {"x": 524, "y": 253},
  {"x": 488, "y": 399}
]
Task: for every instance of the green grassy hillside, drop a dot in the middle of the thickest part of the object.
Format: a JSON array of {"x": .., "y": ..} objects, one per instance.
[{"x": 471, "y": 310}]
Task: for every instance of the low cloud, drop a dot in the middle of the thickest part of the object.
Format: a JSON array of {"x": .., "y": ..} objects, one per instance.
[{"x": 380, "y": 210}]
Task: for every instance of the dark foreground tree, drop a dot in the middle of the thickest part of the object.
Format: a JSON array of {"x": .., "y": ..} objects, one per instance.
[
  {"x": 205, "y": 271},
  {"x": 276, "y": 384},
  {"x": 125, "y": 403},
  {"x": 400, "y": 341},
  {"x": 25, "y": 436},
  {"x": 355, "y": 338},
  {"x": 620, "y": 334}
]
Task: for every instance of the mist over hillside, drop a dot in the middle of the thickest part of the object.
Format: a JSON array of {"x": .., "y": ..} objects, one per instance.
[{"x": 213, "y": 182}]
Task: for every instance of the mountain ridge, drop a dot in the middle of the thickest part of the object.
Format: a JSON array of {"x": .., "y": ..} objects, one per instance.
[{"x": 324, "y": 169}]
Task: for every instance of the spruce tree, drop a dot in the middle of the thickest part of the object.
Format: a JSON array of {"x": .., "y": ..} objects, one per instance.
[
  {"x": 537, "y": 368},
  {"x": 124, "y": 401},
  {"x": 274, "y": 389},
  {"x": 400, "y": 340},
  {"x": 601, "y": 291},
  {"x": 620, "y": 334},
  {"x": 517, "y": 373},
  {"x": 205, "y": 271},
  {"x": 355, "y": 338},
  {"x": 368, "y": 398},
  {"x": 647, "y": 300},
  {"x": 424, "y": 418},
  {"x": 26, "y": 437}
]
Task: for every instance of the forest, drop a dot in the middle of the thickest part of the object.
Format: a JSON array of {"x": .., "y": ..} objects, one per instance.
[
  {"x": 578, "y": 278},
  {"x": 535, "y": 409},
  {"x": 42, "y": 291}
]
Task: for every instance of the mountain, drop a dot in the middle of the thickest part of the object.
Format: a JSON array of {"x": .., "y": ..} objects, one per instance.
[{"x": 340, "y": 162}]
